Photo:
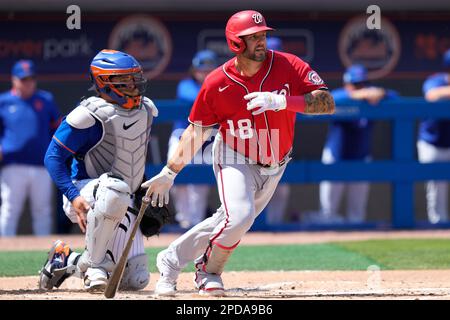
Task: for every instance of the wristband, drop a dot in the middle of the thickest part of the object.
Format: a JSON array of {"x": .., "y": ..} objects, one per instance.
[
  {"x": 295, "y": 103},
  {"x": 168, "y": 173}
]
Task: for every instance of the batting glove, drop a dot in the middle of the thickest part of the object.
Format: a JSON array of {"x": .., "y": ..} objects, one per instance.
[
  {"x": 265, "y": 101},
  {"x": 159, "y": 186}
]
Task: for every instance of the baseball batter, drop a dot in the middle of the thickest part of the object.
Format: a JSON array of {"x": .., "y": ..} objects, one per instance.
[{"x": 254, "y": 98}]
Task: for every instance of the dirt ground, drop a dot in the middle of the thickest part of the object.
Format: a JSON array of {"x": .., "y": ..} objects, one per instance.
[{"x": 369, "y": 284}]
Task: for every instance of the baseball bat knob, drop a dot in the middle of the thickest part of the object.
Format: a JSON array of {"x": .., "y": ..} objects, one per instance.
[{"x": 146, "y": 199}]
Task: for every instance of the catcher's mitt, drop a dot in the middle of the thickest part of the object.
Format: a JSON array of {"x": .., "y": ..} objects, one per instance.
[{"x": 154, "y": 217}]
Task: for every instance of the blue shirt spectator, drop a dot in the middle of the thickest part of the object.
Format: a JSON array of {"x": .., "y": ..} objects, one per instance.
[
  {"x": 276, "y": 208},
  {"x": 191, "y": 201},
  {"x": 203, "y": 63},
  {"x": 436, "y": 132},
  {"x": 28, "y": 118},
  {"x": 433, "y": 143},
  {"x": 26, "y": 126},
  {"x": 187, "y": 91},
  {"x": 349, "y": 140}
]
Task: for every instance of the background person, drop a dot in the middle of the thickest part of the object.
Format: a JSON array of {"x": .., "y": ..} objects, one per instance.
[
  {"x": 349, "y": 140},
  {"x": 191, "y": 200},
  {"x": 276, "y": 208},
  {"x": 433, "y": 143},
  {"x": 28, "y": 119}
]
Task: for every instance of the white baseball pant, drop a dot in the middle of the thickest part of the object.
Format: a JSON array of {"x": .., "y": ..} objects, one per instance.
[
  {"x": 120, "y": 238},
  {"x": 276, "y": 209},
  {"x": 19, "y": 182},
  {"x": 244, "y": 191},
  {"x": 436, "y": 191},
  {"x": 331, "y": 194}
]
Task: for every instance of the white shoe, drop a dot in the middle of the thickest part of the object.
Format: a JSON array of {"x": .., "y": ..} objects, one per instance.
[
  {"x": 165, "y": 287},
  {"x": 434, "y": 218},
  {"x": 95, "y": 279},
  {"x": 209, "y": 284},
  {"x": 167, "y": 283}
]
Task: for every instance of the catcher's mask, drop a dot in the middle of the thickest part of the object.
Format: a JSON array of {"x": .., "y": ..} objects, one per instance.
[{"x": 119, "y": 76}]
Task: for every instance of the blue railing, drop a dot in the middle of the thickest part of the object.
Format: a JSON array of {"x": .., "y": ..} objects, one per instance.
[{"x": 402, "y": 171}]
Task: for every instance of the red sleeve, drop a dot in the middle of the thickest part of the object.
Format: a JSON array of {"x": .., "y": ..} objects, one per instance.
[
  {"x": 202, "y": 113},
  {"x": 307, "y": 79}
]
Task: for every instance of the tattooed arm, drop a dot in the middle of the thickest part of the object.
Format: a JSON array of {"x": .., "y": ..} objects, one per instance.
[{"x": 319, "y": 102}]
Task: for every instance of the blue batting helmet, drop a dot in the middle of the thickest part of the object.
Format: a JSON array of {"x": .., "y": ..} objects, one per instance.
[{"x": 108, "y": 64}]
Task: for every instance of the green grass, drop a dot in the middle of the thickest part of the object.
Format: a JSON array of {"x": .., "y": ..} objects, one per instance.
[
  {"x": 296, "y": 257},
  {"x": 404, "y": 254},
  {"x": 358, "y": 255},
  {"x": 21, "y": 263}
]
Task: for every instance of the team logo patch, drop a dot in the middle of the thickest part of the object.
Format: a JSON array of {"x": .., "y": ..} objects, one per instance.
[
  {"x": 146, "y": 39},
  {"x": 257, "y": 18},
  {"x": 314, "y": 78},
  {"x": 25, "y": 66},
  {"x": 38, "y": 105}
]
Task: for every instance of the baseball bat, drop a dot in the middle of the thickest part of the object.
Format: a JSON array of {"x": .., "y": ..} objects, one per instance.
[{"x": 116, "y": 277}]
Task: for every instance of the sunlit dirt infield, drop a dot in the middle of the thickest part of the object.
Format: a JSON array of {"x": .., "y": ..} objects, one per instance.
[{"x": 366, "y": 284}]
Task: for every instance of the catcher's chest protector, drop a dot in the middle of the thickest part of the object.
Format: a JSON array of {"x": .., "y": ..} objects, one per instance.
[{"x": 123, "y": 146}]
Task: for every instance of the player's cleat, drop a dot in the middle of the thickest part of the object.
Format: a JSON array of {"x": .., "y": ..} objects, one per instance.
[
  {"x": 209, "y": 284},
  {"x": 56, "y": 269},
  {"x": 166, "y": 287},
  {"x": 95, "y": 279},
  {"x": 167, "y": 283}
]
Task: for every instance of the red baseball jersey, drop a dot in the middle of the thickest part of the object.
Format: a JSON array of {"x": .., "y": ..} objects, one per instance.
[{"x": 265, "y": 138}]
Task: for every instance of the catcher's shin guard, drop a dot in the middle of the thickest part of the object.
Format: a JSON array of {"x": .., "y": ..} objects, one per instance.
[
  {"x": 112, "y": 198},
  {"x": 136, "y": 275}
]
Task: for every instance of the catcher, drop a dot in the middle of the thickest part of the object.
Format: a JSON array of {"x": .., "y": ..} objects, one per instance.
[{"x": 105, "y": 137}]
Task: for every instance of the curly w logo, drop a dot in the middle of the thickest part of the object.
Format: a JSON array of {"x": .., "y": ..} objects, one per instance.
[{"x": 257, "y": 18}]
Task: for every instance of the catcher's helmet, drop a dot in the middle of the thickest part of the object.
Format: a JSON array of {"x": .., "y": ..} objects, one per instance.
[
  {"x": 241, "y": 24},
  {"x": 111, "y": 63}
]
